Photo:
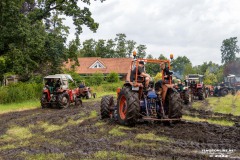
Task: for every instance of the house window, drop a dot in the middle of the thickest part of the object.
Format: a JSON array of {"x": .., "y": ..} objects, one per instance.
[{"x": 97, "y": 64}]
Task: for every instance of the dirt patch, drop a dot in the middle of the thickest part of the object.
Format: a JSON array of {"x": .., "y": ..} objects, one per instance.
[{"x": 79, "y": 133}]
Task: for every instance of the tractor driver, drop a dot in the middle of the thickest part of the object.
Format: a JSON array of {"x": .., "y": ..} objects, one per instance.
[
  {"x": 50, "y": 83},
  {"x": 141, "y": 74},
  {"x": 180, "y": 85},
  {"x": 166, "y": 72},
  {"x": 58, "y": 84}
]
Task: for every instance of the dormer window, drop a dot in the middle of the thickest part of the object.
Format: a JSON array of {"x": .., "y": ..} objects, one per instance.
[{"x": 97, "y": 64}]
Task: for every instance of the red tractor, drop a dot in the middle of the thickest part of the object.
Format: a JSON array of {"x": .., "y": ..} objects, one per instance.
[
  {"x": 160, "y": 102},
  {"x": 196, "y": 86},
  {"x": 56, "y": 92},
  {"x": 86, "y": 92}
]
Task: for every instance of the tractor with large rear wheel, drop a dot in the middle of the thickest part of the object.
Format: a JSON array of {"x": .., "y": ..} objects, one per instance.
[
  {"x": 56, "y": 92},
  {"x": 159, "y": 102}
]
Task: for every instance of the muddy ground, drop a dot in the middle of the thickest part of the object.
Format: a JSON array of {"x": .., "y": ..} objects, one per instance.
[{"x": 79, "y": 133}]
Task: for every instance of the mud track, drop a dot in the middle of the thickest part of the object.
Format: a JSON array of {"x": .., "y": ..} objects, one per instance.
[{"x": 78, "y": 133}]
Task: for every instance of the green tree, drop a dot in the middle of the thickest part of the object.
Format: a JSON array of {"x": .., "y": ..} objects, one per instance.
[
  {"x": 130, "y": 46},
  {"x": 120, "y": 45},
  {"x": 32, "y": 37},
  {"x": 152, "y": 68},
  {"x": 100, "y": 48},
  {"x": 110, "y": 49},
  {"x": 162, "y": 57},
  {"x": 179, "y": 64},
  {"x": 229, "y": 49},
  {"x": 209, "y": 77},
  {"x": 88, "y": 49},
  {"x": 141, "y": 51},
  {"x": 188, "y": 69},
  {"x": 112, "y": 77}
]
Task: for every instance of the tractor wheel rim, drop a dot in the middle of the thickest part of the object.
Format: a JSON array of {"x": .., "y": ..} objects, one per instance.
[{"x": 123, "y": 107}]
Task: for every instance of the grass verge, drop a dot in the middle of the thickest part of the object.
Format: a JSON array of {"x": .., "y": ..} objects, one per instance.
[
  {"x": 217, "y": 122},
  {"x": 32, "y": 104}
]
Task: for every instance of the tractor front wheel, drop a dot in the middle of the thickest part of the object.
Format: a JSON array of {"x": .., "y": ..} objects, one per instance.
[
  {"x": 175, "y": 105},
  {"x": 107, "y": 107},
  {"x": 44, "y": 101},
  {"x": 128, "y": 108}
]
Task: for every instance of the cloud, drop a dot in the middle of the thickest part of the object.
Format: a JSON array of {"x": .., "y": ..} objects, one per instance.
[{"x": 194, "y": 28}]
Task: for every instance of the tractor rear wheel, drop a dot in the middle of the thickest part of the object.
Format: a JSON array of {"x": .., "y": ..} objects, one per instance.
[
  {"x": 128, "y": 107},
  {"x": 224, "y": 92},
  {"x": 107, "y": 107},
  {"x": 175, "y": 105},
  {"x": 63, "y": 100},
  {"x": 201, "y": 95},
  {"x": 44, "y": 102}
]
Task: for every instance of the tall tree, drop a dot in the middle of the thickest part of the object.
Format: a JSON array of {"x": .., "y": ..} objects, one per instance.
[
  {"x": 130, "y": 46},
  {"x": 100, "y": 48},
  {"x": 110, "y": 49},
  {"x": 152, "y": 68},
  {"x": 32, "y": 35},
  {"x": 121, "y": 45},
  {"x": 229, "y": 49},
  {"x": 141, "y": 51},
  {"x": 179, "y": 64},
  {"x": 88, "y": 49},
  {"x": 162, "y": 57}
]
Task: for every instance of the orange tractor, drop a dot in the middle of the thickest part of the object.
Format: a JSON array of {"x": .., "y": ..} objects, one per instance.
[{"x": 160, "y": 102}]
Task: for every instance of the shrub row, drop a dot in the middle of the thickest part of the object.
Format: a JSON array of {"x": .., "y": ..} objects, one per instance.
[{"x": 20, "y": 92}]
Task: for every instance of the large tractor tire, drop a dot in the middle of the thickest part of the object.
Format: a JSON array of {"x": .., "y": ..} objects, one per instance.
[
  {"x": 201, "y": 94},
  {"x": 175, "y": 105},
  {"x": 107, "y": 107},
  {"x": 128, "y": 107},
  {"x": 187, "y": 98},
  {"x": 63, "y": 100},
  {"x": 44, "y": 102},
  {"x": 223, "y": 92}
]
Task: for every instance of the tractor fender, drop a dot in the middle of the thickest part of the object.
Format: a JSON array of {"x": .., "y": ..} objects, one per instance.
[{"x": 46, "y": 91}]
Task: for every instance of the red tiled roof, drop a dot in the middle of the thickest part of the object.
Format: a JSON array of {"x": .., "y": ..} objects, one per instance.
[{"x": 118, "y": 65}]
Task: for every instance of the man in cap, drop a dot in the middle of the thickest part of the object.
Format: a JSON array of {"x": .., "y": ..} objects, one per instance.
[{"x": 142, "y": 75}]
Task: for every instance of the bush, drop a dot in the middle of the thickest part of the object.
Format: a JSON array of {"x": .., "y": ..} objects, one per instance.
[
  {"x": 96, "y": 79},
  {"x": 20, "y": 92},
  {"x": 158, "y": 77},
  {"x": 107, "y": 87},
  {"x": 112, "y": 77}
]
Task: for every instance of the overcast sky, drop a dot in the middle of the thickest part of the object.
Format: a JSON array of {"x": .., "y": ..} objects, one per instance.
[{"x": 192, "y": 28}]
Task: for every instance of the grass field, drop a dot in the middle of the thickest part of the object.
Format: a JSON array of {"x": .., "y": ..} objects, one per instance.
[
  {"x": 227, "y": 105},
  {"x": 32, "y": 104}
]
